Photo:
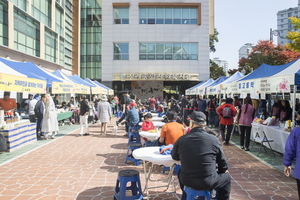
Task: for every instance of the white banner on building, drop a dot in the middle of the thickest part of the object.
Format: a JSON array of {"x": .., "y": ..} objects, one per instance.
[{"x": 147, "y": 89}]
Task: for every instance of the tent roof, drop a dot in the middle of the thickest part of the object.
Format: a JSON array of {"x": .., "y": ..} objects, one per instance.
[
  {"x": 79, "y": 80},
  {"x": 60, "y": 74},
  {"x": 237, "y": 75},
  {"x": 7, "y": 70},
  {"x": 91, "y": 82},
  {"x": 102, "y": 85},
  {"x": 265, "y": 70},
  {"x": 218, "y": 81},
  {"x": 32, "y": 71},
  {"x": 208, "y": 82},
  {"x": 197, "y": 85}
]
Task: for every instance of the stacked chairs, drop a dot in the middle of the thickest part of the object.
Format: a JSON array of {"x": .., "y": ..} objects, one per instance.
[{"x": 134, "y": 142}]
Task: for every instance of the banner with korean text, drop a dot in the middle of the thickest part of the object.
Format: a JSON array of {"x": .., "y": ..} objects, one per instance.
[
  {"x": 21, "y": 84},
  {"x": 60, "y": 88}
]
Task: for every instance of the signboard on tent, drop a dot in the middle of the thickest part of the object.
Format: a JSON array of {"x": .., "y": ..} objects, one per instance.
[
  {"x": 276, "y": 84},
  {"x": 21, "y": 84},
  {"x": 97, "y": 90},
  {"x": 110, "y": 92},
  {"x": 60, "y": 88},
  {"x": 248, "y": 86}
]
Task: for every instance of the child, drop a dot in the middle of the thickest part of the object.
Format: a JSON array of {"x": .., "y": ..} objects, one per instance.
[{"x": 148, "y": 124}]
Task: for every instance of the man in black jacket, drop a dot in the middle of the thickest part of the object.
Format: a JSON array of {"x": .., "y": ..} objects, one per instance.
[
  {"x": 199, "y": 153},
  {"x": 83, "y": 115},
  {"x": 39, "y": 114}
]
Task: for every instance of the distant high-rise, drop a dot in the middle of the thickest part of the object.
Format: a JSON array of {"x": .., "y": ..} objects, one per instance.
[
  {"x": 284, "y": 24},
  {"x": 221, "y": 63},
  {"x": 245, "y": 50}
]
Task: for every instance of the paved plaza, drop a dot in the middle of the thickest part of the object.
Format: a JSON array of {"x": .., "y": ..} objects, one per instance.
[{"x": 86, "y": 168}]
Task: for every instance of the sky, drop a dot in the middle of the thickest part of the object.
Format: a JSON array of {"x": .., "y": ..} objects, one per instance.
[{"x": 244, "y": 21}]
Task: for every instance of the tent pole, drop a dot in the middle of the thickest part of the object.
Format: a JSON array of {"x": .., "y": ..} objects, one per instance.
[{"x": 294, "y": 106}]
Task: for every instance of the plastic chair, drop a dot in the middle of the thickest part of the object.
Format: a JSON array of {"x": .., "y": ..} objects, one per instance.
[
  {"x": 258, "y": 129},
  {"x": 133, "y": 135},
  {"x": 191, "y": 194},
  {"x": 124, "y": 177},
  {"x": 118, "y": 114},
  {"x": 129, "y": 157}
]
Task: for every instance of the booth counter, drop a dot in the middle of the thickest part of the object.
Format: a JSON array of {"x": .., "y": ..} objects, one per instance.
[{"x": 19, "y": 134}]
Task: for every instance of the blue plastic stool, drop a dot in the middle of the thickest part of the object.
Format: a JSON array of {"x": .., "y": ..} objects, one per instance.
[
  {"x": 129, "y": 156},
  {"x": 118, "y": 114},
  {"x": 124, "y": 177},
  {"x": 191, "y": 194},
  {"x": 176, "y": 169},
  {"x": 133, "y": 135}
]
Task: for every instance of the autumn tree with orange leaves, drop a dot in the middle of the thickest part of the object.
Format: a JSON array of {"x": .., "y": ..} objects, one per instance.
[{"x": 267, "y": 52}]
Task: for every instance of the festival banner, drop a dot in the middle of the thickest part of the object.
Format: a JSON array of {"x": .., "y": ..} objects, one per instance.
[
  {"x": 21, "y": 84},
  {"x": 110, "y": 92},
  {"x": 99, "y": 90},
  {"x": 82, "y": 89},
  {"x": 60, "y": 88}
]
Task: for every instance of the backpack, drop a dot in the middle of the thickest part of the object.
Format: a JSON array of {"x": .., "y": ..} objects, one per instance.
[{"x": 226, "y": 112}]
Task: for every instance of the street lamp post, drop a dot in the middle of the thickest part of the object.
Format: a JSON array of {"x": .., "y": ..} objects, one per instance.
[{"x": 276, "y": 33}]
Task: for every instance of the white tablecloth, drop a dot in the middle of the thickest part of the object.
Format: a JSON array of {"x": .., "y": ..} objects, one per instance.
[
  {"x": 157, "y": 118},
  {"x": 154, "y": 114},
  {"x": 152, "y": 154},
  {"x": 273, "y": 132},
  {"x": 155, "y": 123},
  {"x": 149, "y": 136}
]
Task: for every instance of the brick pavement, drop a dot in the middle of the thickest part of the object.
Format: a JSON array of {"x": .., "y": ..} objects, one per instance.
[{"x": 86, "y": 168}]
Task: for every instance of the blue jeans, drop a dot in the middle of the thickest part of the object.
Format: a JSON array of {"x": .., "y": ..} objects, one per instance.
[{"x": 211, "y": 117}]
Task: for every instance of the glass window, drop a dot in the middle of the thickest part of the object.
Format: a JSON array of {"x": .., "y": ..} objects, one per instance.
[
  {"x": 168, "y": 15},
  {"x": 121, "y": 51},
  {"x": 121, "y": 15},
  {"x": 168, "y": 51}
]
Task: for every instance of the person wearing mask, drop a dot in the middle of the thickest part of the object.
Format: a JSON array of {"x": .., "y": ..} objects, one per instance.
[
  {"x": 244, "y": 119},
  {"x": 31, "y": 107},
  {"x": 199, "y": 152},
  {"x": 83, "y": 116},
  {"x": 50, "y": 123},
  {"x": 286, "y": 112},
  {"x": 104, "y": 113},
  {"x": 276, "y": 108},
  {"x": 39, "y": 109},
  {"x": 292, "y": 152},
  {"x": 227, "y": 112}
]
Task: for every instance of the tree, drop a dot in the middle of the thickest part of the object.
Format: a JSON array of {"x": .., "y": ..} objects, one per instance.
[
  {"x": 267, "y": 52},
  {"x": 212, "y": 40},
  {"x": 216, "y": 71},
  {"x": 232, "y": 71},
  {"x": 294, "y": 36}
]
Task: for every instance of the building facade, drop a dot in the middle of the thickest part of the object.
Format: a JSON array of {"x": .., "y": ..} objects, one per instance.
[
  {"x": 155, "y": 43},
  {"x": 222, "y": 63},
  {"x": 245, "y": 50},
  {"x": 42, "y": 32},
  {"x": 284, "y": 24}
]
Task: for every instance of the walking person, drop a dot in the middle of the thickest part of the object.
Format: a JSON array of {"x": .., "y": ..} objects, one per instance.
[
  {"x": 83, "y": 116},
  {"x": 104, "y": 113},
  {"x": 39, "y": 110},
  {"x": 245, "y": 118},
  {"x": 226, "y": 111},
  {"x": 212, "y": 112},
  {"x": 50, "y": 124},
  {"x": 292, "y": 151}
]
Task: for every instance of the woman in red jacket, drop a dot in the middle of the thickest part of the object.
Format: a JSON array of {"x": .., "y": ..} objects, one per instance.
[{"x": 226, "y": 111}]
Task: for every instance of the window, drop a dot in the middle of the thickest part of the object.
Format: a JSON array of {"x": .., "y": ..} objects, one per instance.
[
  {"x": 168, "y": 15},
  {"x": 121, "y": 51},
  {"x": 168, "y": 51},
  {"x": 41, "y": 10},
  {"x": 121, "y": 15},
  {"x": 3, "y": 23}
]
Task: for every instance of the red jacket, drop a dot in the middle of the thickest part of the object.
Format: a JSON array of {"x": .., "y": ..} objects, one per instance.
[
  {"x": 146, "y": 126},
  {"x": 220, "y": 111}
]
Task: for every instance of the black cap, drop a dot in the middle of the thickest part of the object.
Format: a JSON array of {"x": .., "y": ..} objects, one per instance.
[{"x": 198, "y": 116}]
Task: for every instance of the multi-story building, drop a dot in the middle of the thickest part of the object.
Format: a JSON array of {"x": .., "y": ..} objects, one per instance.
[
  {"x": 245, "y": 50},
  {"x": 155, "y": 43},
  {"x": 40, "y": 31},
  {"x": 222, "y": 63},
  {"x": 284, "y": 24}
]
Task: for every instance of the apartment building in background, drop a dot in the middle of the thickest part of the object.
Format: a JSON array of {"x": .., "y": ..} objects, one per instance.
[{"x": 245, "y": 50}]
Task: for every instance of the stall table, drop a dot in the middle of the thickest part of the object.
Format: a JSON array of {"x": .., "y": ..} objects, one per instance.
[
  {"x": 273, "y": 132},
  {"x": 150, "y": 136},
  {"x": 152, "y": 155},
  {"x": 155, "y": 123},
  {"x": 64, "y": 115},
  {"x": 19, "y": 134}
]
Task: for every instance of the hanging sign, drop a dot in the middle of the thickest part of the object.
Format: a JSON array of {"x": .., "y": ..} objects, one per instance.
[
  {"x": 21, "y": 84},
  {"x": 287, "y": 96},
  {"x": 279, "y": 96},
  {"x": 60, "y": 88}
]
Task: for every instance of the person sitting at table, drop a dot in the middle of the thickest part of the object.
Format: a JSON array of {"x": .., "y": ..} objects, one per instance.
[
  {"x": 286, "y": 112},
  {"x": 24, "y": 109},
  {"x": 7, "y": 104},
  {"x": 276, "y": 108},
  {"x": 171, "y": 131},
  {"x": 297, "y": 120},
  {"x": 199, "y": 152},
  {"x": 132, "y": 117},
  {"x": 147, "y": 124}
]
